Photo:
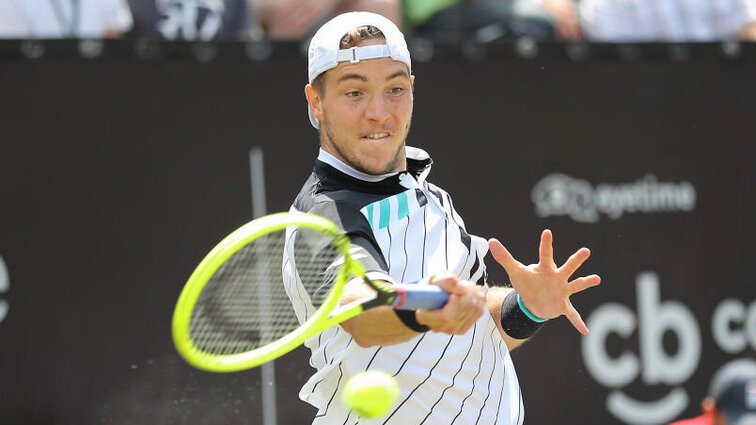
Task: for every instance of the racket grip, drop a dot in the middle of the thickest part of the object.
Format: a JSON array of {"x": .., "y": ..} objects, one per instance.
[{"x": 417, "y": 296}]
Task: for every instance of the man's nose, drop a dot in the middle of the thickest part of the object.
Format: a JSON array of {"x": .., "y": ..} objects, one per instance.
[{"x": 377, "y": 109}]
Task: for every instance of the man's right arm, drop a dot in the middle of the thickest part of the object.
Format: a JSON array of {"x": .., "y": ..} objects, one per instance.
[{"x": 382, "y": 326}]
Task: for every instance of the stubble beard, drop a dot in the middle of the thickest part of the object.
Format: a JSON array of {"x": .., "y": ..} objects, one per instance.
[{"x": 357, "y": 163}]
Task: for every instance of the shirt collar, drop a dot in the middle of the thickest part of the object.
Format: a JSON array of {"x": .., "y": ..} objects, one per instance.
[
  {"x": 418, "y": 164},
  {"x": 348, "y": 170}
]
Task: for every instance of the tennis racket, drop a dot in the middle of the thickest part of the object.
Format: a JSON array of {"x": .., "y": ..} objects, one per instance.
[{"x": 272, "y": 284}]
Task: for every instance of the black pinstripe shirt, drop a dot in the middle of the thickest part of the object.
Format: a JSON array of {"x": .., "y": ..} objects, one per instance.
[{"x": 404, "y": 229}]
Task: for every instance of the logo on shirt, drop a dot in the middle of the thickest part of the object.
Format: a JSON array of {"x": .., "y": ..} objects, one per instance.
[
  {"x": 562, "y": 195},
  {"x": 393, "y": 208}
]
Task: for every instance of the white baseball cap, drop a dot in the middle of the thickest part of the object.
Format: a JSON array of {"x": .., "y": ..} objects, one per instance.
[{"x": 324, "y": 52}]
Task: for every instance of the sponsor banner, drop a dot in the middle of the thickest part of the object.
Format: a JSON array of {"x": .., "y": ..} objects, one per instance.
[
  {"x": 562, "y": 195},
  {"x": 732, "y": 327},
  {"x": 115, "y": 184}
]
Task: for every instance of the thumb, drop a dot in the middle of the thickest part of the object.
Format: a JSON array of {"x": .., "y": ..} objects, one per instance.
[
  {"x": 502, "y": 256},
  {"x": 449, "y": 282}
]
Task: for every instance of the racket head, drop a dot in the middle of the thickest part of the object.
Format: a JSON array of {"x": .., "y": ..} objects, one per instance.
[{"x": 224, "y": 321}]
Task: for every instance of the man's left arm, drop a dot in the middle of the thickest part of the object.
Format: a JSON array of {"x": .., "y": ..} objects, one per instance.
[
  {"x": 495, "y": 298},
  {"x": 543, "y": 291}
]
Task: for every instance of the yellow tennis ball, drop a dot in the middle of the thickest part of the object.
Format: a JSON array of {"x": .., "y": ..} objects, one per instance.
[{"x": 371, "y": 394}]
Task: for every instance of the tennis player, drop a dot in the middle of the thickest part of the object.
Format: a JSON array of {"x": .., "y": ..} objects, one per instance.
[{"x": 452, "y": 364}]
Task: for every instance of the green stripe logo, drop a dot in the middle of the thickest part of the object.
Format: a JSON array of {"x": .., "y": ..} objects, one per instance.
[
  {"x": 403, "y": 206},
  {"x": 385, "y": 213},
  {"x": 370, "y": 215}
]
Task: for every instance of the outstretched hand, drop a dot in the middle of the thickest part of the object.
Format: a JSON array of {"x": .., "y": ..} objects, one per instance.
[{"x": 545, "y": 289}]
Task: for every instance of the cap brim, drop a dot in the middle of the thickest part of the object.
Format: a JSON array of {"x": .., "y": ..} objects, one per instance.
[{"x": 741, "y": 418}]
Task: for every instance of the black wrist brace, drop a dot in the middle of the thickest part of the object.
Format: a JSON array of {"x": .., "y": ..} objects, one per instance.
[
  {"x": 514, "y": 321},
  {"x": 408, "y": 318}
]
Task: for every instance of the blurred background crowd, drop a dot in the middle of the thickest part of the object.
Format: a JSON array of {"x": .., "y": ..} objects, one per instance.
[{"x": 439, "y": 20}]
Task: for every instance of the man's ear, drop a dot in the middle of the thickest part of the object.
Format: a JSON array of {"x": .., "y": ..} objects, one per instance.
[
  {"x": 314, "y": 99},
  {"x": 708, "y": 405},
  {"x": 709, "y": 409}
]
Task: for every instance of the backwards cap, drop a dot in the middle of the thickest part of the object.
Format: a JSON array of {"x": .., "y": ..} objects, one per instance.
[
  {"x": 733, "y": 388},
  {"x": 324, "y": 52}
]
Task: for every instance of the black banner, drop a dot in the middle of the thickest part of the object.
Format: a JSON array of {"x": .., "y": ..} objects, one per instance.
[{"x": 120, "y": 169}]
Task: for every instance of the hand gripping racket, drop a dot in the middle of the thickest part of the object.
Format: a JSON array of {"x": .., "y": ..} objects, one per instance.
[{"x": 271, "y": 285}]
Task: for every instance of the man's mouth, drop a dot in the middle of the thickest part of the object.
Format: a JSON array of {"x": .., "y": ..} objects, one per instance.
[{"x": 376, "y": 136}]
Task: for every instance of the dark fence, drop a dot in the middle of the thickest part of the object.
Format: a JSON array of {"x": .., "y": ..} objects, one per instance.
[{"x": 122, "y": 163}]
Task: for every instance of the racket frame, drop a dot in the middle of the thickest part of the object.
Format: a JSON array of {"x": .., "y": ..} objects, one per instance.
[{"x": 329, "y": 313}]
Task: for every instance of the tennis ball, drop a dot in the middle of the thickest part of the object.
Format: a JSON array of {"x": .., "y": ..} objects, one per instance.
[{"x": 371, "y": 393}]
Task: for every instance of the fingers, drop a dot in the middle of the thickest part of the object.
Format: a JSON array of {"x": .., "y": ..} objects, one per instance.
[
  {"x": 583, "y": 283},
  {"x": 575, "y": 319},
  {"x": 574, "y": 262},
  {"x": 546, "y": 287},
  {"x": 546, "y": 249},
  {"x": 464, "y": 307},
  {"x": 503, "y": 257},
  {"x": 468, "y": 308},
  {"x": 449, "y": 282},
  {"x": 439, "y": 321}
]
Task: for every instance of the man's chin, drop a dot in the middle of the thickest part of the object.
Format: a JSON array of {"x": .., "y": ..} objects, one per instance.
[{"x": 376, "y": 168}]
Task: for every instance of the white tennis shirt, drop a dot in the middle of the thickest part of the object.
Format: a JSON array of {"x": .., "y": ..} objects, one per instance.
[{"x": 405, "y": 229}]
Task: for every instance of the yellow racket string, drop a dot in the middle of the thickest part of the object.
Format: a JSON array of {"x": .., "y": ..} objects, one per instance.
[{"x": 264, "y": 291}]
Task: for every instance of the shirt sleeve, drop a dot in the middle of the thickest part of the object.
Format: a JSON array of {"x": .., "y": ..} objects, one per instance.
[{"x": 365, "y": 248}]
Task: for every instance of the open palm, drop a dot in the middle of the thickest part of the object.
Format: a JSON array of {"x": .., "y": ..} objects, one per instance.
[{"x": 545, "y": 289}]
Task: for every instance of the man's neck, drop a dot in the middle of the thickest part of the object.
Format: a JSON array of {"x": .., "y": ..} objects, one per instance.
[{"x": 349, "y": 170}]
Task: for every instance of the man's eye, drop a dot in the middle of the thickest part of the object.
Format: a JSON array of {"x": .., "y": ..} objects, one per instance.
[
  {"x": 397, "y": 90},
  {"x": 353, "y": 93}
]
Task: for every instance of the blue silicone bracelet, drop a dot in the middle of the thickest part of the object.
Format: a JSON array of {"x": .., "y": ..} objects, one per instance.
[{"x": 528, "y": 313}]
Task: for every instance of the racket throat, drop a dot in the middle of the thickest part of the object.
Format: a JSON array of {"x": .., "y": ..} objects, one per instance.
[{"x": 384, "y": 295}]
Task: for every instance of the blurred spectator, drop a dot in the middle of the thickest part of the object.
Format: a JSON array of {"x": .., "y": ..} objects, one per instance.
[
  {"x": 298, "y": 19},
  {"x": 668, "y": 20},
  {"x": 483, "y": 20},
  {"x": 731, "y": 399},
  {"x": 193, "y": 19},
  {"x": 63, "y": 18},
  {"x": 564, "y": 16}
]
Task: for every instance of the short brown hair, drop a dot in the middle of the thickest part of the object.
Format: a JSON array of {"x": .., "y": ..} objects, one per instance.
[
  {"x": 349, "y": 40},
  {"x": 355, "y": 36}
]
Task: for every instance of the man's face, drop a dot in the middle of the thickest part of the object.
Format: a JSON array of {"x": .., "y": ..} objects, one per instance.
[{"x": 365, "y": 112}]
